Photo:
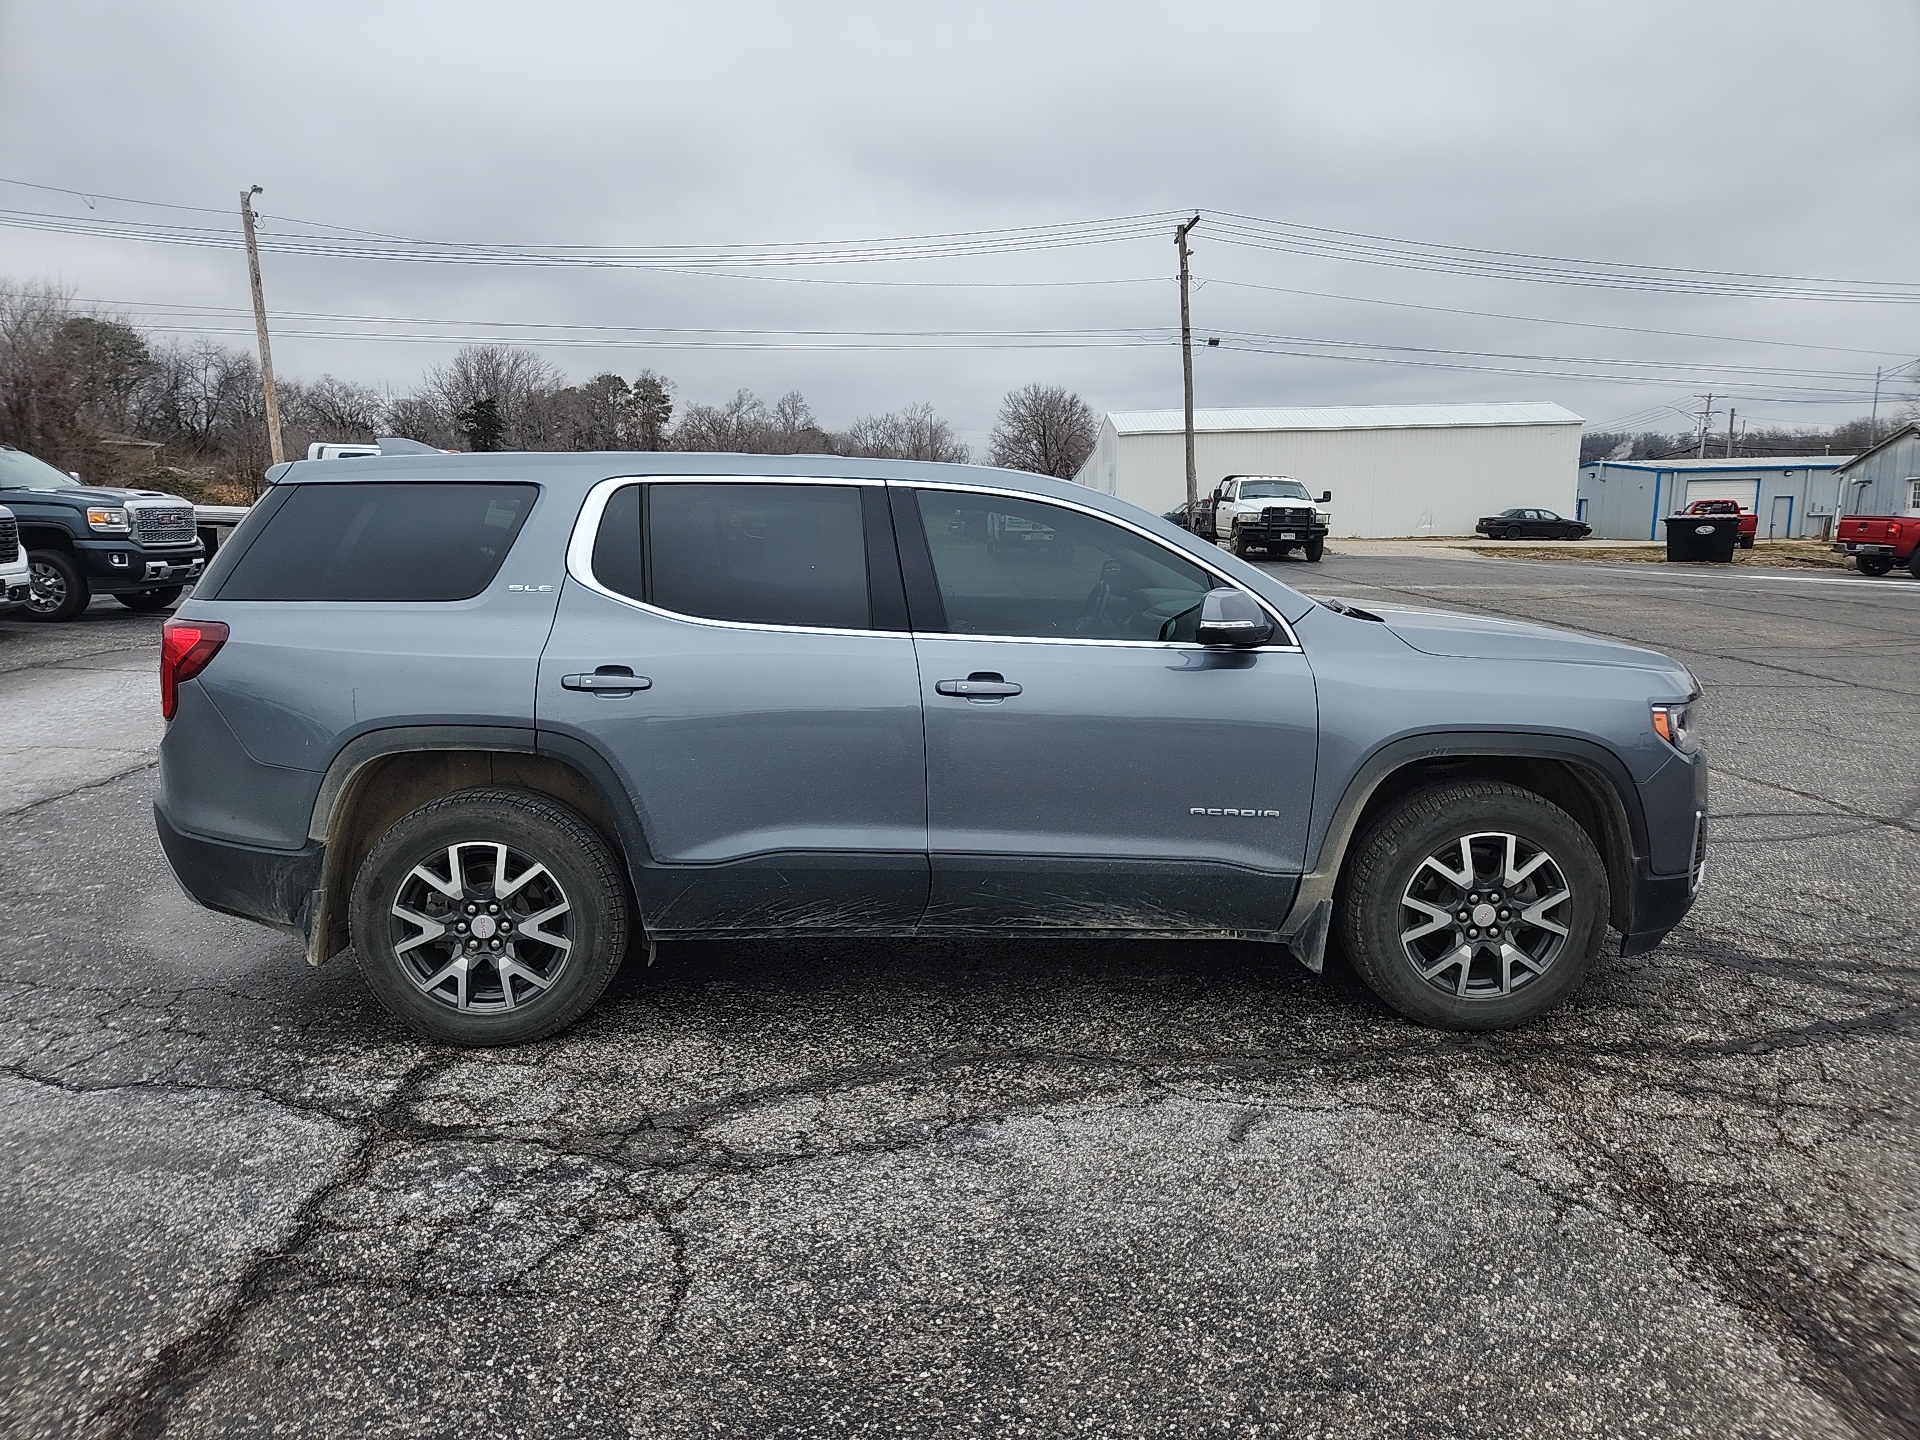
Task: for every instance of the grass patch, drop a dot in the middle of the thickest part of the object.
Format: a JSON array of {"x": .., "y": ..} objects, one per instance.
[{"x": 1771, "y": 554}]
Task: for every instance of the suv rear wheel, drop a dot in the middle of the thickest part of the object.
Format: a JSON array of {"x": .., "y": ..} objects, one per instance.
[
  {"x": 490, "y": 917},
  {"x": 1474, "y": 905}
]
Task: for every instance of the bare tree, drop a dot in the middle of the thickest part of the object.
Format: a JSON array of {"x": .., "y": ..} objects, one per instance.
[
  {"x": 914, "y": 433},
  {"x": 517, "y": 382},
  {"x": 737, "y": 426},
  {"x": 1043, "y": 429}
]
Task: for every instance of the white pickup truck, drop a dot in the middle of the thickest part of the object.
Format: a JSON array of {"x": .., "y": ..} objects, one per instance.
[{"x": 1271, "y": 513}]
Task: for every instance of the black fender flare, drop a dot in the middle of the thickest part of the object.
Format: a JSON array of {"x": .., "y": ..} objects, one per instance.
[
  {"x": 1308, "y": 922},
  {"x": 360, "y": 752}
]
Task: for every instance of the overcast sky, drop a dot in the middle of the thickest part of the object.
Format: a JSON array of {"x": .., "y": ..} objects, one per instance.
[{"x": 1727, "y": 135}]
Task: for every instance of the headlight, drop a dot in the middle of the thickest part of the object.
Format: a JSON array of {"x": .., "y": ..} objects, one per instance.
[
  {"x": 1679, "y": 725},
  {"x": 111, "y": 521}
]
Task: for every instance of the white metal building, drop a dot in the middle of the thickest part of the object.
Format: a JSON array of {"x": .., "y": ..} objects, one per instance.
[
  {"x": 1884, "y": 480},
  {"x": 1794, "y": 495},
  {"x": 1393, "y": 469}
]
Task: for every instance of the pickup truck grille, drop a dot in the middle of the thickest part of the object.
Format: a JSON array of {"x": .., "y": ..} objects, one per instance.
[
  {"x": 9, "y": 540},
  {"x": 162, "y": 525},
  {"x": 1299, "y": 515}
]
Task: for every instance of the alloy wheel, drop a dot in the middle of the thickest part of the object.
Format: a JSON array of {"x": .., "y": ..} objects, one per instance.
[
  {"x": 481, "y": 927},
  {"x": 47, "y": 591},
  {"x": 1485, "y": 915}
]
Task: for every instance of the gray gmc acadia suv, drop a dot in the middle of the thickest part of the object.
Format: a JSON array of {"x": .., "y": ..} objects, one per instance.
[{"x": 493, "y": 720}]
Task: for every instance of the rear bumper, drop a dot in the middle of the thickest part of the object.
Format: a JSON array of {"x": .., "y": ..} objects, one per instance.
[
  {"x": 1863, "y": 547},
  {"x": 272, "y": 887}
]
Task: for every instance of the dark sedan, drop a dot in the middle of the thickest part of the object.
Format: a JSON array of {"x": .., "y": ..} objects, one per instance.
[{"x": 1531, "y": 525}]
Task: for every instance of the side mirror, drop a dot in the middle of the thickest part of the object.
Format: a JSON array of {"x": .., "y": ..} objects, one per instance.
[
  {"x": 1326, "y": 498},
  {"x": 1231, "y": 617}
]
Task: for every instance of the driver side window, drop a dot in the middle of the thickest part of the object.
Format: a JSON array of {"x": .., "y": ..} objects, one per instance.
[{"x": 1025, "y": 568}]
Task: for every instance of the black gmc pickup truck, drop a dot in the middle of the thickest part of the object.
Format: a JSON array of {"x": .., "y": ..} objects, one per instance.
[{"x": 139, "y": 546}]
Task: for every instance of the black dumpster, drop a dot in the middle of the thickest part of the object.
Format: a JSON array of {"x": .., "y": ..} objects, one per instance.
[{"x": 1702, "y": 537}]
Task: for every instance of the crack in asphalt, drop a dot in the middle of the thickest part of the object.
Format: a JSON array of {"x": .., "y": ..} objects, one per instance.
[{"x": 138, "y": 1411}]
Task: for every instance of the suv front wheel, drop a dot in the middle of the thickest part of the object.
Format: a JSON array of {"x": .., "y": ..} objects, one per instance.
[
  {"x": 490, "y": 917},
  {"x": 1474, "y": 905}
]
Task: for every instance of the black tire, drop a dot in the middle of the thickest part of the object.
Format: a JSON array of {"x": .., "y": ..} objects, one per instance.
[
  {"x": 466, "y": 1007},
  {"x": 59, "y": 591},
  {"x": 1873, "y": 564},
  {"x": 1913, "y": 563},
  {"x": 1240, "y": 546},
  {"x": 1391, "y": 859},
  {"x": 1746, "y": 542},
  {"x": 1508, "y": 535},
  {"x": 1314, "y": 549},
  {"x": 151, "y": 599}
]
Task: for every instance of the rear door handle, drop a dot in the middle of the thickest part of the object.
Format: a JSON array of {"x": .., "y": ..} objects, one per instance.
[
  {"x": 978, "y": 687},
  {"x": 608, "y": 680}
]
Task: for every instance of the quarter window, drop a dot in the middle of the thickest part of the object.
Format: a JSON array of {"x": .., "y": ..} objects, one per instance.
[
  {"x": 763, "y": 554},
  {"x": 385, "y": 541},
  {"x": 1025, "y": 568}
]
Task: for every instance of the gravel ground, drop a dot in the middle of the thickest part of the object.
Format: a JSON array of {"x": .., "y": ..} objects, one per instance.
[{"x": 996, "y": 1189}]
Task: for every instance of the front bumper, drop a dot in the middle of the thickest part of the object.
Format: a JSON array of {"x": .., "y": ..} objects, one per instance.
[
  {"x": 117, "y": 566},
  {"x": 16, "y": 584},
  {"x": 1674, "y": 802},
  {"x": 273, "y": 887}
]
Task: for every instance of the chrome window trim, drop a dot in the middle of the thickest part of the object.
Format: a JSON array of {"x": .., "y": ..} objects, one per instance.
[{"x": 586, "y": 529}]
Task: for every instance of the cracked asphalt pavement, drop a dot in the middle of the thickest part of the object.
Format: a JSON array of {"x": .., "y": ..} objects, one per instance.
[{"x": 999, "y": 1188}]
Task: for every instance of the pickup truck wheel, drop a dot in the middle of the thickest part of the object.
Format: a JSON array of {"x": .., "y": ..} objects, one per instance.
[
  {"x": 151, "y": 599},
  {"x": 1314, "y": 549},
  {"x": 1473, "y": 905},
  {"x": 1913, "y": 563},
  {"x": 58, "y": 590},
  {"x": 1873, "y": 564},
  {"x": 490, "y": 917},
  {"x": 1240, "y": 546},
  {"x": 1746, "y": 542}
]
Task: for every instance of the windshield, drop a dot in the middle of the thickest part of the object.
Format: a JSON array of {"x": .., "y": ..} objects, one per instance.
[
  {"x": 1273, "y": 490},
  {"x": 20, "y": 471}
]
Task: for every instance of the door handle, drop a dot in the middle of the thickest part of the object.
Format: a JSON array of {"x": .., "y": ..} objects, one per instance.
[
  {"x": 978, "y": 686},
  {"x": 607, "y": 680}
]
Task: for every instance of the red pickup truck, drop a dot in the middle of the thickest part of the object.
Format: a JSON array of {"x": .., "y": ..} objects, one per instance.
[
  {"x": 1877, "y": 543},
  {"x": 1749, "y": 519}
]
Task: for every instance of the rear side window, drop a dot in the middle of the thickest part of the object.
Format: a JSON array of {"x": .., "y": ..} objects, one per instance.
[
  {"x": 765, "y": 554},
  {"x": 382, "y": 542}
]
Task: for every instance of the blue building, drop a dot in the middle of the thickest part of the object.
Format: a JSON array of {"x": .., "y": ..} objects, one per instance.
[{"x": 1795, "y": 496}]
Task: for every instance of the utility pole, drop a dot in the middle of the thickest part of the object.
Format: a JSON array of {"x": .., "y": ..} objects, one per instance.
[
  {"x": 1706, "y": 420},
  {"x": 274, "y": 442},
  {"x": 1873, "y": 423},
  {"x": 1186, "y": 366},
  {"x": 1731, "y": 412}
]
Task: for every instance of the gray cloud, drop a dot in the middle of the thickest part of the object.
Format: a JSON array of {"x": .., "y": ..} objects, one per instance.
[{"x": 1767, "y": 137}]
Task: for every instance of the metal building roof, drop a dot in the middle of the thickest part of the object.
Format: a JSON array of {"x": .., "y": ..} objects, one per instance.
[
  {"x": 1736, "y": 464},
  {"x": 1345, "y": 417}
]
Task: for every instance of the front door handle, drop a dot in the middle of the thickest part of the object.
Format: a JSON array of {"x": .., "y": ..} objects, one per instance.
[
  {"x": 608, "y": 680},
  {"x": 978, "y": 686}
]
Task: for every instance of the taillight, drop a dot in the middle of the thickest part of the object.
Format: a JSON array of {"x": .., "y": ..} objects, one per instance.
[{"x": 186, "y": 646}]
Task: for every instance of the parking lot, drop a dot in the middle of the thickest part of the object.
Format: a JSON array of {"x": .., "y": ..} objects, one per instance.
[{"x": 1012, "y": 1188}]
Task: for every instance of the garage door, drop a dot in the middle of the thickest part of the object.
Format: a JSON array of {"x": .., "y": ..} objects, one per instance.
[{"x": 1747, "y": 492}]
